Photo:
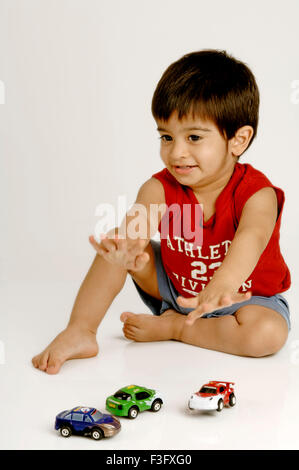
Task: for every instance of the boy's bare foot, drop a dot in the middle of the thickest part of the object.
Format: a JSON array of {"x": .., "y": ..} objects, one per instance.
[
  {"x": 71, "y": 343},
  {"x": 147, "y": 327}
]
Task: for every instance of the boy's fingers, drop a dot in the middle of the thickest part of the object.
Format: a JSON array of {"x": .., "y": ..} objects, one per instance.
[
  {"x": 121, "y": 244},
  {"x": 206, "y": 308},
  {"x": 94, "y": 244},
  {"x": 187, "y": 302},
  {"x": 136, "y": 247},
  {"x": 241, "y": 297},
  {"x": 203, "y": 308},
  {"x": 100, "y": 248},
  {"x": 104, "y": 253},
  {"x": 140, "y": 261},
  {"x": 225, "y": 301},
  {"x": 133, "y": 247},
  {"x": 108, "y": 244},
  {"x": 192, "y": 317},
  {"x": 92, "y": 240}
]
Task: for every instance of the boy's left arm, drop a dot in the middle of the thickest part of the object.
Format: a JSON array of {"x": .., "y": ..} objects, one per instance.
[{"x": 254, "y": 231}]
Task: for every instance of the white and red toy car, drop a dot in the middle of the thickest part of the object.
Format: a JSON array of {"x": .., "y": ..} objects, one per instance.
[{"x": 213, "y": 396}]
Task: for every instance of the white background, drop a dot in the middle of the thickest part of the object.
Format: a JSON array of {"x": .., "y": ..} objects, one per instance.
[{"x": 76, "y": 131}]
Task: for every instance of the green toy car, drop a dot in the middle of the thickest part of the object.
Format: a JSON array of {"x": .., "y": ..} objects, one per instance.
[{"x": 130, "y": 400}]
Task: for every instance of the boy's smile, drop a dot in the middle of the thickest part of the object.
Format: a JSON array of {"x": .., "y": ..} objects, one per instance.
[{"x": 195, "y": 153}]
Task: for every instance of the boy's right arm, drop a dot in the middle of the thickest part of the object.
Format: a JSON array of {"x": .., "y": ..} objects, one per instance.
[{"x": 125, "y": 245}]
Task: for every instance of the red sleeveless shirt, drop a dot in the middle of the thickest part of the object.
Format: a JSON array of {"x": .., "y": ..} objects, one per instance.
[{"x": 190, "y": 259}]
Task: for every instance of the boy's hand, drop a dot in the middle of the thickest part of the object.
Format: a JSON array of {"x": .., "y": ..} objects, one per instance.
[
  {"x": 213, "y": 297},
  {"x": 126, "y": 253}
]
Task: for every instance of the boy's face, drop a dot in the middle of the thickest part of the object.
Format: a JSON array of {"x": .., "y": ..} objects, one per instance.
[{"x": 195, "y": 152}]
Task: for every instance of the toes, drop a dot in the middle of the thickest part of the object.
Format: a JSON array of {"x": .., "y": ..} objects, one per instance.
[
  {"x": 40, "y": 362},
  {"x": 35, "y": 361},
  {"x": 126, "y": 315},
  {"x": 47, "y": 363},
  {"x": 129, "y": 332},
  {"x": 54, "y": 365}
]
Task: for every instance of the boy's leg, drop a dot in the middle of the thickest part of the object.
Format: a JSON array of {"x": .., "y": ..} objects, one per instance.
[
  {"x": 100, "y": 286},
  {"x": 98, "y": 290},
  {"x": 253, "y": 330}
]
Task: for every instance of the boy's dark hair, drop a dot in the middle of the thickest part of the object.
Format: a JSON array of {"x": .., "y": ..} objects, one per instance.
[{"x": 212, "y": 85}]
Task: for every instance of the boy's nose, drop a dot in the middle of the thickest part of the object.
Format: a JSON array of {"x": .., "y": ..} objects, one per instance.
[{"x": 178, "y": 151}]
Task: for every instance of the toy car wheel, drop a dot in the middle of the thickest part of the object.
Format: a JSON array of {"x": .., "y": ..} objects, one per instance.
[
  {"x": 232, "y": 399},
  {"x": 220, "y": 405},
  {"x": 65, "y": 431},
  {"x": 156, "y": 405},
  {"x": 96, "y": 434},
  {"x": 133, "y": 412}
]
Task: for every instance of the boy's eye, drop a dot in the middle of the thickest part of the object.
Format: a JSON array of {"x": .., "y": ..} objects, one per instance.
[
  {"x": 165, "y": 138},
  {"x": 168, "y": 138},
  {"x": 194, "y": 138}
]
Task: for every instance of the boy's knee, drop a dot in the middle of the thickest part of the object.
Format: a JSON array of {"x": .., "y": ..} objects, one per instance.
[{"x": 265, "y": 338}]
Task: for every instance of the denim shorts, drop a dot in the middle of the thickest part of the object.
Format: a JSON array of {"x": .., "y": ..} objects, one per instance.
[{"x": 169, "y": 295}]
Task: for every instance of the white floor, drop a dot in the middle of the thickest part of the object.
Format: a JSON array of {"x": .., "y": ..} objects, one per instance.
[{"x": 265, "y": 417}]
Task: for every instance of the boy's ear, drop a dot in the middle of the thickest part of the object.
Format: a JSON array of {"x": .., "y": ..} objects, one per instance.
[{"x": 239, "y": 143}]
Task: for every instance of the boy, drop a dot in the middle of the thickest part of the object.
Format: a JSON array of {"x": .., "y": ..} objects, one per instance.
[{"x": 206, "y": 108}]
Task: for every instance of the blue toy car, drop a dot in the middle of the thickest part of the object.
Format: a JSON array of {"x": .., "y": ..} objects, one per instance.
[{"x": 88, "y": 422}]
